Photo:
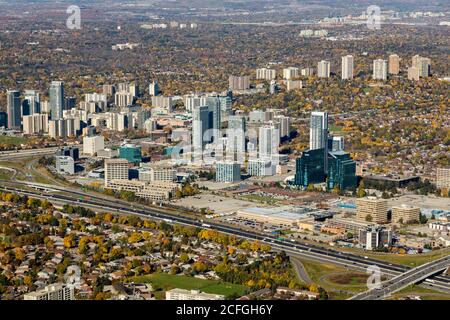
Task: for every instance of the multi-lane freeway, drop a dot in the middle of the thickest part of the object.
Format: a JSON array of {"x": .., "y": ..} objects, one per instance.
[
  {"x": 403, "y": 280},
  {"x": 291, "y": 247}
]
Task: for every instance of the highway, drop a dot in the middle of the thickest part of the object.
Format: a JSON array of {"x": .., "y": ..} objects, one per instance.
[
  {"x": 404, "y": 280},
  {"x": 292, "y": 248}
]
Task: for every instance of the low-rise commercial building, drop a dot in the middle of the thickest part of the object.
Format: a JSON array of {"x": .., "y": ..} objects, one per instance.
[{"x": 65, "y": 165}]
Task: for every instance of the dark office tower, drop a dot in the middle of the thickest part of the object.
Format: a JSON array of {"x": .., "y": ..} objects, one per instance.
[
  {"x": 13, "y": 109},
  {"x": 57, "y": 101},
  {"x": 31, "y": 103},
  {"x": 341, "y": 171},
  {"x": 3, "y": 119},
  {"x": 309, "y": 168}
]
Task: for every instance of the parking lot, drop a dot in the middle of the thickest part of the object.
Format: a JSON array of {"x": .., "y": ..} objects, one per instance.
[{"x": 220, "y": 205}]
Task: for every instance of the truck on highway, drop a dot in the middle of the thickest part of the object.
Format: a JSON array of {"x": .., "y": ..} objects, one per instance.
[{"x": 206, "y": 225}]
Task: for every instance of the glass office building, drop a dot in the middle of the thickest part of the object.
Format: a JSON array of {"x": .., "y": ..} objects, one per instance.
[
  {"x": 310, "y": 168},
  {"x": 131, "y": 152},
  {"x": 341, "y": 169}
]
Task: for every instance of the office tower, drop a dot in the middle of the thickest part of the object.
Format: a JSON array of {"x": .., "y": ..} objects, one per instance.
[
  {"x": 405, "y": 214},
  {"x": 318, "y": 130},
  {"x": 228, "y": 171},
  {"x": 372, "y": 209},
  {"x": 153, "y": 88},
  {"x": 13, "y": 109},
  {"x": 31, "y": 103},
  {"x": 70, "y": 103},
  {"x": 285, "y": 125},
  {"x": 341, "y": 171},
  {"x": 265, "y": 74},
  {"x": 64, "y": 165},
  {"x": 394, "y": 64},
  {"x": 91, "y": 145},
  {"x": 3, "y": 119},
  {"x": 260, "y": 167},
  {"x": 72, "y": 152},
  {"x": 347, "y": 67},
  {"x": 443, "y": 178},
  {"x": 215, "y": 113},
  {"x": 306, "y": 72},
  {"x": 130, "y": 152},
  {"x": 323, "y": 69},
  {"x": 290, "y": 73},
  {"x": 413, "y": 73},
  {"x": 239, "y": 83},
  {"x": 379, "y": 69},
  {"x": 200, "y": 125},
  {"x": 236, "y": 138},
  {"x": 115, "y": 169},
  {"x": 57, "y": 101},
  {"x": 310, "y": 168},
  {"x": 269, "y": 140},
  {"x": 375, "y": 237},
  {"x": 336, "y": 143},
  {"x": 423, "y": 65}
]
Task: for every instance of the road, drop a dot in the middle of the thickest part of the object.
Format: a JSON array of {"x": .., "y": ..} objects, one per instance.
[
  {"x": 301, "y": 271},
  {"x": 292, "y": 248},
  {"x": 404, "y": 280}
]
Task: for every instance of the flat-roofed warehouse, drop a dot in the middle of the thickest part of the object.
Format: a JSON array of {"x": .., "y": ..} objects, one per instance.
[{"x": 286, "y": 216}]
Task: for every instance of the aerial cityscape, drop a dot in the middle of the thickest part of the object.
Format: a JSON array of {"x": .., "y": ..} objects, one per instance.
[{"x": 236, "y": 150}]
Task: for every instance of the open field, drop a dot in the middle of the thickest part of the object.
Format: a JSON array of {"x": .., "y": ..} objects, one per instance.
[
  {"x": 167, "y": 281},
  {"x": 423, "y": 293},
  {"x": 12, "y": 141},
  {"x": 339, "y": 282}
]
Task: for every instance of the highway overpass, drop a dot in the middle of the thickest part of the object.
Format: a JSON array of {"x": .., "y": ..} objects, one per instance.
[{"x": 404, "y": 280}]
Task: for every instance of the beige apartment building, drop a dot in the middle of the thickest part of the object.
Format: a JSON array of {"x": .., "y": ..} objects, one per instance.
[
  {"x": 394, "y": 64},
  {"x": 373, "y": 207},
  {"x": 405, "y": 213},
  {"x": 443, "y": 178}
]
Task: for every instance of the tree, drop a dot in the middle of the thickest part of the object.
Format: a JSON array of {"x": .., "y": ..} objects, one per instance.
[
  {"x": 369, "y": 218},
  {"x": 361, "y": 192}
]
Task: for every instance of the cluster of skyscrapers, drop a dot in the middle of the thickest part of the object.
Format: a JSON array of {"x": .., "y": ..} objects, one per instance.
[{"x": 325, "y": 161}]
